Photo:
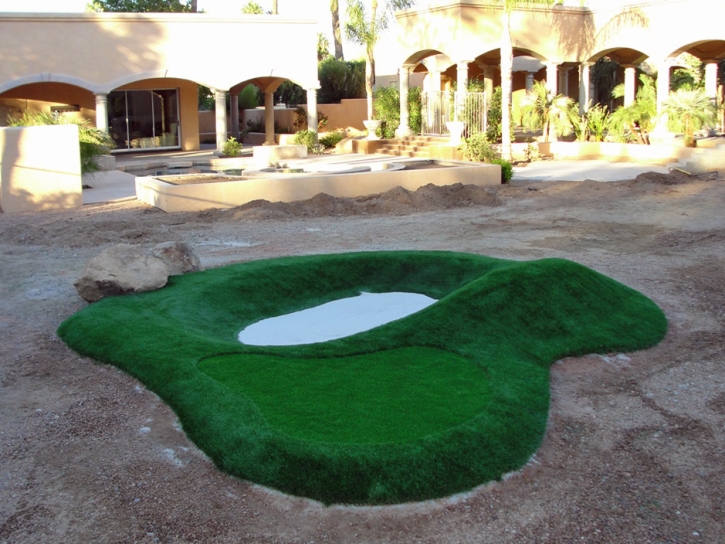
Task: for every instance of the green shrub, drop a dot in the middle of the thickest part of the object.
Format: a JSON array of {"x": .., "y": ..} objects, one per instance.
[
  {"x": 231, "y": 148},
  {"x": 308, "y": 139},
  {"x": 255, "y": 125},
  {"x": 332, "y": 139},
  {"x": 92, "y": 142},
  {"x": 249, "y": 98},
  {"x": 478, "y": 148},
  {"x": 340, "y": 79},
  {"x": 290, "y": 93},
  {"x": 532, "y": 152},
  {"x": 493, "y": 132},
  {"x": 387, "y": 109},
  {"x": 507, "y": 171}
]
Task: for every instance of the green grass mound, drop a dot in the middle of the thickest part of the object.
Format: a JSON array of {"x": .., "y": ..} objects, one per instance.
[{"x": 433, "y": 404}]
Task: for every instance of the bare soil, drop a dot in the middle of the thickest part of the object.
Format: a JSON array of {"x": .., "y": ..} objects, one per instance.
[{"x": 635, "y": 446}]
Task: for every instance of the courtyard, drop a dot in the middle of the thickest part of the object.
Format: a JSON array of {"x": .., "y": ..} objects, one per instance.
[{"x": 634, "y": 445}]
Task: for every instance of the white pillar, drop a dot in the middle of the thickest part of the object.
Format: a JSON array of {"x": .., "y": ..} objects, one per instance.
[
  {"x": 663, "y": 84},
  {"x": 312, "y": 120},
  {"x": 403, "y": 129},
  {"x": 462, "y": 81},
  {"x": 564, "y": 81},
  {"x": 551, "y": 77},
  {"x": 269, "y": 118},
  {"x": 711, "y": 80},
  {"x": 220, "y": 109},
  {"x": 235, "y": 115},
  {"x": 584, "y": 86},
  {"x": 530, "y": 80},
  {"x": 435, "y": 81},
  {"x": 630, "y": 84},
  {"x": 102, "y": 112}
]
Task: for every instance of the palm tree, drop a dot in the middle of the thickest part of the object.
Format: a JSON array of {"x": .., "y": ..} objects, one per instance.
[
  {"x": 636, "y": 121},
  {"x": 336, "y": 34},
  {"x": 507, "y": 57},
  {"x": 689, "y": 110},
  {"x": 542, "y": 110},
  {"x": 274, "y": 7},
  {"x": 365, "y": 29}
]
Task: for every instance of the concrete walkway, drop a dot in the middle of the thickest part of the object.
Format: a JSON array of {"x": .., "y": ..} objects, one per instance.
[
  {"x": 116, "y": 185},
  {"x": 597, "y": 170}
]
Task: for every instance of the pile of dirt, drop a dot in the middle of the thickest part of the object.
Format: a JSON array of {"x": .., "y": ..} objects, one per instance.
[
  {"x": 674, "y": 177},
  {"x": 396, "y": 201}
]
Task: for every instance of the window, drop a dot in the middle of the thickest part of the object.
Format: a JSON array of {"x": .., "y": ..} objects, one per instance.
[{"x": 144, "y": 119}]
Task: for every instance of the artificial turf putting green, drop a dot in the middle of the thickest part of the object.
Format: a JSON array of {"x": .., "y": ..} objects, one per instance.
[{"x": 426, "y": 406}]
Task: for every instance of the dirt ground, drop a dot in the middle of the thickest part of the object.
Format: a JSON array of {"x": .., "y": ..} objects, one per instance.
[{"x": 635, "y": 447}]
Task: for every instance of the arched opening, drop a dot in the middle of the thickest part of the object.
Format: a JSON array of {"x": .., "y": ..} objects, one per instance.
[
  {"x": 49, "y": 97},
  {"x": 617, "y": 66}
]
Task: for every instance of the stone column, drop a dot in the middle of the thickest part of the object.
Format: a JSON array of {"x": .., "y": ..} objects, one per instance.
[
  {"x": 663, "y": 84},
  {"x": 711, "y": 80},
  {"x": 102, "y": 112},
  {"x": 564, "y": 81},
  {"x": 235, "y": 115},
  {"x": 462, "y": 81},
  {"x": 220, "y": 109},
  {"x": 530, "y": 80},
  {"x": 269, "y": 118},
  {"x": 312, "y": 120},
  {"x": 403, "y": 129},
  {"x": 552, "y": 69},
  {"x": 584, "y": 86},
  {"x": 488, "y": 73},
  {"x": 435, "y": 81},
  {"x": 630, "y": 84}
]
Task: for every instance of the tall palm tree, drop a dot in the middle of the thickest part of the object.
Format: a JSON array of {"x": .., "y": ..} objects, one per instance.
[
  {"x": 507, "y": 59},
  {"x": 274, "y": 7},
  {"x": 365, "y": 28},
  {"x": 336, "y": 33}
]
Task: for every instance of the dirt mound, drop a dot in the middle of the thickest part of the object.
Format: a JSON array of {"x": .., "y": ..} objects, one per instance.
[
  {"x": 674, "y": 177},
  {"x": 396, "y": 201}
]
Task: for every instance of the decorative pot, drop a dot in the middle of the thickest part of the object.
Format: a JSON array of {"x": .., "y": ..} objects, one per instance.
[
  {"x": 372, "y": 125},
  {"x": 455, "y": 129}
]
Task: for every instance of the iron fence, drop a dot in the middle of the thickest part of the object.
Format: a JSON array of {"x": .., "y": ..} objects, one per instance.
[{"x": 438, "y": 107}]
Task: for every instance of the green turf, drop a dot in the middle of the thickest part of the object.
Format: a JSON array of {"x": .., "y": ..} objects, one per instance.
[
  {"x": 429, "y": 405},
  {"x": 388, "y": 396}
]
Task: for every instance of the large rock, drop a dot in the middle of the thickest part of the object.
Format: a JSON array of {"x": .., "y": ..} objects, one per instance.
[
  {"x": 178, "y": 257},
  {"x": 124, "y": 269}
]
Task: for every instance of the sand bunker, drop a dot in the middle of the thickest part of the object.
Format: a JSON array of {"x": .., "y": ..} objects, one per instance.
[{"x": 334, "y": 320}]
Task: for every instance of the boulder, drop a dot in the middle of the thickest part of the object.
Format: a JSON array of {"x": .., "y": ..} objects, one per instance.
[
  {"x": 119, "y": 270},
  {"x": 178, "y": 257}
]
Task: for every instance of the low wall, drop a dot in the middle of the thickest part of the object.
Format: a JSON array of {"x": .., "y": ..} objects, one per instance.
[
  {"x": 40, "y": 168},
  {"x": 614, "y": 151},
  {"x": 195, "y": 197}
]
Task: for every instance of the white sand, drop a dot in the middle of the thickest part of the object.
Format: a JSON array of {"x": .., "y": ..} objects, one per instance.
[{"x": 335, "y": 319}]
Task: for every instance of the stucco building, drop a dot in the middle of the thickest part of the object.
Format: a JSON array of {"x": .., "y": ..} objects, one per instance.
[
  {"x": 137, "y": 74},
  {"x": 460, "y": 40}
]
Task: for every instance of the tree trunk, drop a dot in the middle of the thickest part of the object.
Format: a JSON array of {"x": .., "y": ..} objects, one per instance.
[
  {"x": 336, "y": 33},
  {"x": 274, "y": 7},
  {"x": 370, "y": 64},
  {"x": 192, "y": 6},
  {"x": 506, "y": 69}
]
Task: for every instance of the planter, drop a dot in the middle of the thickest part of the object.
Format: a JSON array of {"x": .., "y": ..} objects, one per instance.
[
  {"x": 455, "y": 129},
  {"x": 372, "y": 125}
]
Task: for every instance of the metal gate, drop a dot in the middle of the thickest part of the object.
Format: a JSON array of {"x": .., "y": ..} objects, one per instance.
[{"x": 438, "y": 107}]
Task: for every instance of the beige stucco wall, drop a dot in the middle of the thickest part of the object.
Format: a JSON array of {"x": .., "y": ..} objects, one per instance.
[
  {"x": 195, "y": 197},
  {"x": 40, "y": 168},
  {"x": 466, "y": 30},
  {"x": 103, "y": 51}
]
